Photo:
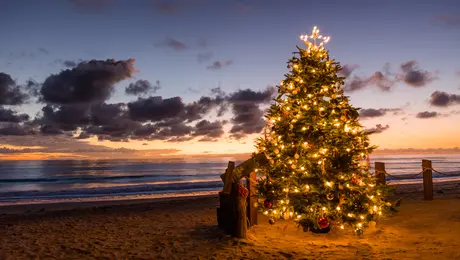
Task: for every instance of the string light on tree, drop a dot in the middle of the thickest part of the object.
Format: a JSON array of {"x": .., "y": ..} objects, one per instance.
[{"x": 315, "y": 146}]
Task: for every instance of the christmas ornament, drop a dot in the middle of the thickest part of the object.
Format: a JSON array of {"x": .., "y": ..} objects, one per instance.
[
  {"x": 359, "y": 232},
  {"x": 330, "y": 196},
  {"x": 268, "y": 204},
  {"x": 323, "y": 222},
  {"x": 296, "y": 156},
  {"x": 271, "y": 221},
  {"x": 322, "y": 113},
  {"x": 242, "y": 191}
]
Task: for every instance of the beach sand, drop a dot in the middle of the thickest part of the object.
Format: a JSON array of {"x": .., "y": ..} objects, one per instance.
[{"x": 187, "y": 229}]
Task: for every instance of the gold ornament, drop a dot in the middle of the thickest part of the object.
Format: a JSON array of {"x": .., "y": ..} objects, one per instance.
[
  {"x": 276, "y": 151},
  {"x": 296, "y": 156},
  {"x": 330, "y": 196}
]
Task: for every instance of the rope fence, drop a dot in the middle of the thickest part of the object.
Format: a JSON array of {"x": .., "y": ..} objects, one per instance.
[{"x": 426, "y": 173}]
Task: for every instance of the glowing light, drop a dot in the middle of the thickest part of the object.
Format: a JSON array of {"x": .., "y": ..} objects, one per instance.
[{"x": 318, "y": 40}]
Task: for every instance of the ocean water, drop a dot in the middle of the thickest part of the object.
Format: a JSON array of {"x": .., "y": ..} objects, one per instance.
[{"x": 66, "y": 179}]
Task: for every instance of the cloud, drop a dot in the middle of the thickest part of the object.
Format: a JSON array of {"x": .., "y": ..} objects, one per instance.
[
  {"x": 372, "y": 112},
  {"x": 17, "y": 129},
  {"x": 68, "y": 63},
  {"x": 10, "y": 92},
  {"x": 427, "y": 114},
  {"x": 248, "y": 117},
  {"x": 202, "y": 57},
  {"x": 447, "y": 19},
  {"x": 347, "y": 69},
  {"x": 89, "y": 82},
  {"x": 217, "y": 65},
  {"x": 382, "y": 80},
  {"x": 379, "y": 128},
  {"x": 155, "y": 108},
  {"x": 142, "y": 87},
  {"x": 413, "y": 76},
  {"x": 209, "y": 130},
  {"x": 172, "y": 44},
  {"x": 91, "y": 5},
  {"x": 8, "y": 115},
  {"x": 43, "y": 50},
  {"x": 444, "y": 99}
]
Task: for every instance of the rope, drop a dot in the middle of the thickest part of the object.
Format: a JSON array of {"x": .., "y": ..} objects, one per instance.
[
  {"x": 446, "y": 174},
  {"x": 402, "y": 177},
  {"x": 414, "y": 176}
]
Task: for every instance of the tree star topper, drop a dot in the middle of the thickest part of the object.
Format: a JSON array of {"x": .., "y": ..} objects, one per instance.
[{"x": 315, "y": 36}]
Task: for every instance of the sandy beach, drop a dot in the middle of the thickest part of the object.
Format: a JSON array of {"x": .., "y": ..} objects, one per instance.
[{"x": 187, "y": 229}]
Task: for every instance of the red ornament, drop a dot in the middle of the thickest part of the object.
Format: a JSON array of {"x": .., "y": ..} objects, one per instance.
[
  {"x": 354, "y": 180},
  {"x": 323, "y": 222},
  {"x": 268, "y": 204},
  {"x": 288, "y": 66}
]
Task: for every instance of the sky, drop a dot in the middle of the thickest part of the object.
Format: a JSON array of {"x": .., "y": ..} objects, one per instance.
[{"x": 147, "y": 78}]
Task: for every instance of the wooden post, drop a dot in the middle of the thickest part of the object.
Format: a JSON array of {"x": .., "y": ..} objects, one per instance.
[
  {"x": 252, "y": 199},
  {"x": 229, "y": 174},
  {"x": 427, "y": 180},
  {"x": 380, "y": 173},
  {"x": 239, "y": 220}
]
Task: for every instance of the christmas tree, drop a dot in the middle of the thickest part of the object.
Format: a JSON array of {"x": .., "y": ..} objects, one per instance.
[{"x": 316, "y": 149}]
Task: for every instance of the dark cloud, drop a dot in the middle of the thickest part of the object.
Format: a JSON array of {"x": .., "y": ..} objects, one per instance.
[
  {"x": 178, "y": 132},
  {"x": 91, "y": 5},
  {"x": 196, "y": 110},
  {"x": 142, "y": 87},
  {"x": 63, "y": 118},
  {"x": 8, "y": 115},
  {"x": 10, "y": 92},
  {"x": 69, "y": 63},
  {"x": 427, "y": 114},
  {"x": 217, "y": 65},
  {"x": 202, "y": 57},
  {"x": 89, "y": 82},
  {"x": 447, "y": 19},
  {"x": 379, "y": 128},
  {"x": 155, "y": 109},
  {"x": 413, "y": 76},
  {"x": 372, "y": 112},
  {"x": 209, "y": 130},
  {"x": 382, "y": 80},
  {"x": 17, "y": 129},
  {"x": 444, "y": 99},
  {"x": 248, "y": 116},
  {"x": 172, "y": 44},
  {"x": 347, "y": 69}
]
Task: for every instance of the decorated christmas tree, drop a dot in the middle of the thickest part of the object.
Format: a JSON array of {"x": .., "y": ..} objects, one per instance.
[{"x": 317, "y": 173}]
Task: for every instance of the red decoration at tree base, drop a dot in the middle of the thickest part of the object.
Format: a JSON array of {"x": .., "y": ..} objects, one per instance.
[{"x": 323, "y": 222}]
